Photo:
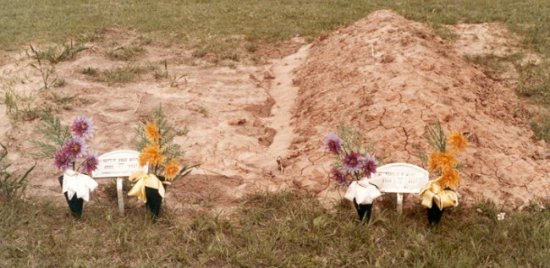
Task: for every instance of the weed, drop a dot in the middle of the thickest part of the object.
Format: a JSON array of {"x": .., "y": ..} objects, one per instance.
[
  {"x": 12, "y": 184},
  {"x": 122, "y": 74},
  {"x": 59, "y": 82},
  {"x": 535, "y": 82},
  {"x": 46, "y": 70},
  {"x": 199, "y": 53},
  {"x": 21, "y": 107},
  {"x": 91, "y": 71},
  {"x": 56, "y": 132},
  {"x": 165, "y": 74},
  {"x": 56, "y": 54},
  {"x": 203, "y": 110},
  {"x": 60, "y": 100},
  {"x": 541, "y": 127},
  {"x": 125, "y": 53}
]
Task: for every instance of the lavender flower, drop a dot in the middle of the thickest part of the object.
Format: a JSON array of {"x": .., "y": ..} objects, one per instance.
[
  {"x": 63, "y": 159},
  {"x": 339, "y": 176},
  {"x": 82, "y": 127},
  {"x": 75, "y": 147},
  {"x": 333, "y": 143},
  {"x": 89, "y": 164},
  {"x": 352, "y": 162},
  {"x": 369, "y": 165}
]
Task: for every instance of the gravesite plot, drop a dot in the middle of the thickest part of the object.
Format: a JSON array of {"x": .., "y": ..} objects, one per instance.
[{"x": 260, "y": 134}]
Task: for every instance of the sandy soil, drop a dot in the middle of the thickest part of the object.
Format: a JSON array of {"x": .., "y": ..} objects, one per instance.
[{"x": 258, "y": 128}]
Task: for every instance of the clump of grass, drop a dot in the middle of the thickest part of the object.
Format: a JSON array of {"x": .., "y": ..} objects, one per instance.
[
  {"x": 124, "y": 74},
  {"x": 541, "y": 127},
  {"x": 494, "y": 65},
  {"x": 56, "y": 54},
  {"x": 535, "y": 82},
  {"x": 12, "y": 184},
  {"x": 60, "y": 100},
  {"x": 91, "y": 71},
  {"x": 271, "y": 229},
  {"x": 125, "y": 53},
  {"x": 21, "y": 107}
]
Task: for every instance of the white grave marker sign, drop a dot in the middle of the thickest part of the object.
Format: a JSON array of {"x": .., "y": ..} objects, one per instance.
[
  {"x": 118, "y": 164},
  {"x": 400, "y": 178}
]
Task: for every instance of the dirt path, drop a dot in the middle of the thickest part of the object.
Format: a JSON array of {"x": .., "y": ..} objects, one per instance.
[{"x": 284, "y": 93}]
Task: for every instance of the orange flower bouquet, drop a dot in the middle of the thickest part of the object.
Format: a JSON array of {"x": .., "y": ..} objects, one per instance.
[
  {"x": 158, "y": 151},
  {"x": 440, "y": 193}
]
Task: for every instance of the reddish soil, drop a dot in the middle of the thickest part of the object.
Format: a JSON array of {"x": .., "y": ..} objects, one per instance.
[{"x": 257, "y": 128}]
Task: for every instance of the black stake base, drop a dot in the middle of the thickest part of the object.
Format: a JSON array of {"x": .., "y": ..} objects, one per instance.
[
  {"x": 363, "y": 211},
  {"x": 75, "y": 204},
  {"x": 434, "y": 215},
  {"x": 154, "y": 201}
]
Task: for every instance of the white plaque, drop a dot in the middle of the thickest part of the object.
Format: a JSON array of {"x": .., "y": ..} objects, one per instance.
[
  {"x": 119, "y": 163},
  {"x": 400, "y": 178}
]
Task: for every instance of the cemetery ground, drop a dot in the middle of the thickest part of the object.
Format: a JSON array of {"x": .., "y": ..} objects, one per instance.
[{"x": 255, "y": 86}]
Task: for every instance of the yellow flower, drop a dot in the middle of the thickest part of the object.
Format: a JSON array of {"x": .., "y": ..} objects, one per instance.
[
  {"x": 457, "y": 141},
  {"x": 152, "y": 132},
  {"x": 450, "y": 179},
  {"x": 171, "y": 169},
  {"x": 151, "y": 154},
  {"x": 443, "y": 161}
]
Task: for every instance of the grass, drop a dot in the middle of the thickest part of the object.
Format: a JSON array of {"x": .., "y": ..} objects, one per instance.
[
  {"x": 56, "y": 54},
  {"x": 217, "y": 24},
  {"x": 125, "y": 53},
  {"x": 124, "y": 74},
  {"x": 283, "y": 230},
  {"x": 20, "y": 106}
]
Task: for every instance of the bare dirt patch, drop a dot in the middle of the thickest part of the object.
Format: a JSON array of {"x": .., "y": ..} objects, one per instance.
[{"x": 258, "y": 128}]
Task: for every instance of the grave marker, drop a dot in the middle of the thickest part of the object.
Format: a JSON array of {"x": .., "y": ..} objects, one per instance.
[{"x": 118, "y": 164}]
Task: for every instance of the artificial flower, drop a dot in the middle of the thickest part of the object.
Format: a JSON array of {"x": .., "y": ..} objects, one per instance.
[
  {"x": 457, "y": 141},
  {"x": 152, "y": 132},
  {"x": 433, "y": 193},
  {"x": 333, "y": 143},
  {"x": 352, "y": 162},
  {"x": 143, "y": 180},
  {"x": 442, "y": 161},
  {"x": 82, "y": 127},
  {"x": 90, "y": 163},
  {"x": 450, "y": 179},
  {"x": 171, "y": 169},
  {"x": 369, "y": 165},
  {"x": 75, "y": 147},
  {"x": 362, "y": 192},
  {"x": 62, "y": 159},
  {"x": 151, "y": 154},
  {"x": 75, "y": 183},
  {"x": 338, "y": 176}
]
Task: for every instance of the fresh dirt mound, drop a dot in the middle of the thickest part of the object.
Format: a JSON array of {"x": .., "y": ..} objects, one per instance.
[{"x": 391, "y": 77}]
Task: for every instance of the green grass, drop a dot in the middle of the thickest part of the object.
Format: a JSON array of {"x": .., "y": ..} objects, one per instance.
[
  {"x": 125, "y": 53},
  {"x": 225, "y": 23},
  {"x": 124, "y": 74},
  {"x": 282, "y": 230}
]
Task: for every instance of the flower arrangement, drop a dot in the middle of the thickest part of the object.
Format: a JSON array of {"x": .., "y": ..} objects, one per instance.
[
  {"x": 67, "y": 146},
  {"x": 353, "y": 166},
  {"x": 442, "y": 162},
  {"x": 158, "y": 150},
  {"x": 75, "y": 148},
  {"x": 352, "y": 159}
]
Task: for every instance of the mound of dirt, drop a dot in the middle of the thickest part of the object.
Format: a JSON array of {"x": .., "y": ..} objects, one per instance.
[{"x": 391, "y": 77}]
